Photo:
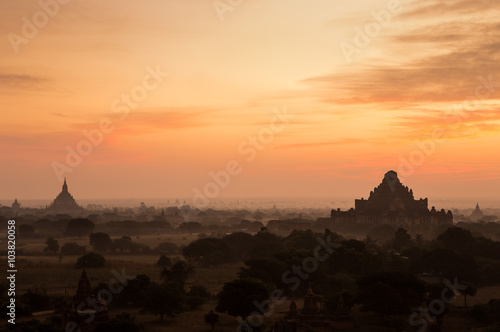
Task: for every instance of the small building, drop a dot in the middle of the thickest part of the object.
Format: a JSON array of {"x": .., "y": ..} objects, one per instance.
[
  {"x": 83, "y": 311},
  {"x": 311, "y": 317}
]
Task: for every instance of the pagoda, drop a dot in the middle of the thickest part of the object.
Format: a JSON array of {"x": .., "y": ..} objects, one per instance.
[
  {"x": 84, "y": 310},
  {"x": 64, "y": 202},
  {"x": 477, "y": 213},
  {"x": 309, "y": 317},
  {"x": 392, "y": 203}
]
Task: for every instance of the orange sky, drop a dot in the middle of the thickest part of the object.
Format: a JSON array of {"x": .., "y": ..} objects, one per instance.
[{"x": 416, "y": 93}]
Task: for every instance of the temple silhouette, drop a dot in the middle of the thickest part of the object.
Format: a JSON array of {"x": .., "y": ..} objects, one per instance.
[
  {"x": 394, "y": 204},
  {"x": 64, "y": 202},
  {"x": 311, "y": 317},
  {"x": 477, "y": 213},
  {"x": 84, "y": 310}
]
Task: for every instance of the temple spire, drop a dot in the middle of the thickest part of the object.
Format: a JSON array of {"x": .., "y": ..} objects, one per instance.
[{"x": 65, "y": 185}]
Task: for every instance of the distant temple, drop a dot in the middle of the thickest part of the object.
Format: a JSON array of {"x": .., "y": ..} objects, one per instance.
[
  {"x": 311, "y": 318},
  {"x": 392, "y": 203},
  {"x": 16, "y": 206},
  {"x": 477, "y": 213},
  {"x": 64, "y": 202},
  {"x": 84, "y": 310}
]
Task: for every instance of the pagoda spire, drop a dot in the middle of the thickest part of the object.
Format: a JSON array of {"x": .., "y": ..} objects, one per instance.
[{"x": 65, "y": 185}]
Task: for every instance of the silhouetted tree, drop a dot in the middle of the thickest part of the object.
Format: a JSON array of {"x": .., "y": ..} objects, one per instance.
[
  {"x": 190, "y": 227},
  {"x": 79, "y": 227},
  {"x": 123, "y": 322},
  {"x": 178, "y": 274},
  {"x": 450, "y": 264},
  {"x": 401, "y": 239},
  {"x": 134, "y": 291},
  {"x": 163, "y": 299},
  {"x": 100, "y": 241},
  {"x": 470, "y": 290},
  {"x": 237, "y": 297},
  {"x": 26, "y": 230},
  {"x": 52, "y": 246},
  {"x": 92, "y": 260},
  {"x": 197, "y": 296},
  {"x": 72, "y": 248},
  {"x": 124, "y": 244},
  {"x": 389, "y": 293},
  {"x": 212, "y": 319},
  {"x": 456, "y": 238},
  {"x": 167, "y": 248},
  {"x": 164, "y": 261},
  {"x": 209, "y": 252}
]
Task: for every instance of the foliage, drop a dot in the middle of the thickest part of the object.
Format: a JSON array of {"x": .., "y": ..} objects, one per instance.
[
  {"x": 178, "y": 274},
  {"x": 52, "y": 245},
  {"x": 100, "y": 241},
  {"x": 92, "y": 260},
  {"x": 26, "y": 230},
  {"x": 163, "y": 299},
  {"x": 212, "y": 319},
  {"x": 209, "y": 252},
  {"x": 164, "y": 261},
  {"x": 237, "y": 297},
  {"x": 390, "y": 292},
  {"x": 72, "y": 248},
  {"x": 79, "y": 227}
]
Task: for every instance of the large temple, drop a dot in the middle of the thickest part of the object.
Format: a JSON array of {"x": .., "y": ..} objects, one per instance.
[
  {"x": 394, "y": 204},
  {"x": 83, "y": 311},
  {"x": 64, "y": 202}
]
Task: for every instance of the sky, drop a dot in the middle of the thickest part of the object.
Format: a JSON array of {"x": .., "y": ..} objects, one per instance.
[{"x": 250, "y": 98}]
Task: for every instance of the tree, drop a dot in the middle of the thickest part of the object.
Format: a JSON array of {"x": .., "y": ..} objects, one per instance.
[
  {"x": 163, "y": 299},
  {"x": 167, "y": 248},
  {"x": 450, "y": 264},
  {"x": 92, "y": 260},
  {"x": 72, "y": 248},
  {"x": 212, "y": 319},
  {"x": 470, "y": 290},
  {"x": 164, "y": 261},
  {"x": 389, "y": 293},
  {"x": 134, "y": 292},
  {"x": 456, "y": 238},
  {"x": 52, "y": 246},
  {"x": 190, "y": 227},
  {"x": 401, "y": 239},
  {"x": 79, "y": 227},
  {"x": 124, "y": 244},
  {"x": 123, "y": 322},
  {"x": 100, "y": 241},
  {"x": 178, "y": 274},
  {"x": 197, "y": 296},
  {"x": 237, "y": 297},
  {"x": 209, "y": 252},
  {"x": 26, "y": 230}
]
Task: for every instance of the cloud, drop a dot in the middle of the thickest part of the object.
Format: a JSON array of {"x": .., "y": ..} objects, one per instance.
[
  {"x": 17, "y": 81},
  {"x": 423, "y": 60}
]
